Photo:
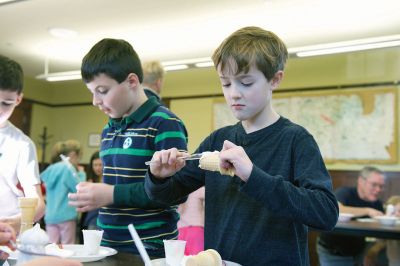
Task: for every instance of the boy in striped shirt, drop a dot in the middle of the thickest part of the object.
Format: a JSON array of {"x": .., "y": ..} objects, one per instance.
[{"x": 138, "y": 127}]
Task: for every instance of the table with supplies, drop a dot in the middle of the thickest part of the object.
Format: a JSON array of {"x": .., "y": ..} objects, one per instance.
[{"x": 368, "y": 227}]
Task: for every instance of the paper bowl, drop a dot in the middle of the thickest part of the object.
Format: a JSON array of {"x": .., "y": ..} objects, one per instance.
[
  {"x": 345, "y": 217},
  {"x": 386, "y": 220}
]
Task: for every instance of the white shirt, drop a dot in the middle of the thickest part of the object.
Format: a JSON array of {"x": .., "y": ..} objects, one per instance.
[{"x": 18, "y": 163}]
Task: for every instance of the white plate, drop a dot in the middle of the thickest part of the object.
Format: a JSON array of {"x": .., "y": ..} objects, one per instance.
[
  {"x": 79, "y": 256},
  {"x": 78, "y": 253},
  {"x": 162, "y": 262},
  {"x": 366, "y": 220}
]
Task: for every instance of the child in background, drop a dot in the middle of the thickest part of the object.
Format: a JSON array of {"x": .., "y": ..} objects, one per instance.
[
  {"x": 61, "y": 178},
  {"x": 191, "y": 222},
  {"x": 95, "y": 171},
  {"x": 18, "y": 159},
  {"x": 280, "y": 187}
]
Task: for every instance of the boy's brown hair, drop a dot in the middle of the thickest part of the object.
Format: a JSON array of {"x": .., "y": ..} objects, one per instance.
[{"x": 250, "y": 45}]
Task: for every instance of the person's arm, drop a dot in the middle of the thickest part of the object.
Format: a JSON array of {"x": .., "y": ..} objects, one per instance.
[
  {"x": 307, "y": 199},
  {"x": 28, "y": 175},
  {"x": 41, "y": 206},
  {"x": 91, "y": 196},
  {"x": 359, "y": 211}
]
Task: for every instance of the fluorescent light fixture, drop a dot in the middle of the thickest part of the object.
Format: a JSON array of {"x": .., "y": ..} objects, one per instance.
[
  {"x": 186, "y": 61},
  {"x": 204, "y": 64},
  {"x": 61, "y": 76},
  {"x": 175, "y": 67},
  {"x": 4, "y": 2},
  {"x": 347, "y": 46},
  {"x": 62, "y": 33}
]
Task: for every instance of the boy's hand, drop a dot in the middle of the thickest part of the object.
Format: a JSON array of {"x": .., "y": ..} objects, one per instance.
[
  {"x": 13, "y": 221},
  {"x": 233, "y": 156},
  {"x": 166, "y": 163},
  {"x": 7, "y": 233},
  {"x": 90, "y": 196}
]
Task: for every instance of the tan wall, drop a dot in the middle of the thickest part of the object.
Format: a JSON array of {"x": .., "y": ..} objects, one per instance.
[
  {"x": 64, "y": 123},
  {"x": 354, "y": 68}
]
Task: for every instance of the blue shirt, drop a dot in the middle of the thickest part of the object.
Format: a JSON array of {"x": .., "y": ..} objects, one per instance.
[{"x": 59, "y": 181}]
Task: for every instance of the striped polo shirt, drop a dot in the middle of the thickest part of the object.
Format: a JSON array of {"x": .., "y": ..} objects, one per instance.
[{"x": 126, "y": 145}]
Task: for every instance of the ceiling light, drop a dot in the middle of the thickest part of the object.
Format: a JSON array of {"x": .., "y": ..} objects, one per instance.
[
  {"x": 204, "y": 64},
  {"x": 186, "y": 61},
  {"x": 5, "y": 2},
  {"x": 347, "y": 46},
  {"x": 63, "y": 33},
  {"x": 175, "y": 67},
  {"x": 61, "y": 76}
]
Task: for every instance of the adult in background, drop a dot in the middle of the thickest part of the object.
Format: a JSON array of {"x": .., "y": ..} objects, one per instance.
[
  {"x": 362, "y": 201},
  {"x": 153, "y": 79}
]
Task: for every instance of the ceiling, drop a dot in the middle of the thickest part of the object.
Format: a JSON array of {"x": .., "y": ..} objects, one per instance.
[{"x": 169, "y": 30}]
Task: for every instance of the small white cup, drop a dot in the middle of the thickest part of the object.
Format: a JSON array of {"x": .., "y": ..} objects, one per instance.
[
  {"x": 91, "y": 241},
  {"x": 174, "y": 251}
]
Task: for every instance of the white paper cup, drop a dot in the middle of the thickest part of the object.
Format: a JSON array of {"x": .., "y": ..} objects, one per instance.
[
  {"x": 174, "y": 251},
  {"x": 91, "y": 241}
]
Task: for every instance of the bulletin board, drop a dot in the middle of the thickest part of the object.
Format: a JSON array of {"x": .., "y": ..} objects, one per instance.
[{"x": 357, "y": 125}]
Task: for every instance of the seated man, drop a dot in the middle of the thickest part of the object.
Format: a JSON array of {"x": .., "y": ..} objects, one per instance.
[{"x": 338, "y": 249}]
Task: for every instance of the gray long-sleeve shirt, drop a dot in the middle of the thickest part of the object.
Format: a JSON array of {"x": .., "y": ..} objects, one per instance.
[{"x": 265, "y": 220}]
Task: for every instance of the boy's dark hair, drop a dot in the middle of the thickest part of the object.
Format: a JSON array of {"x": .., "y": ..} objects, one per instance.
[
  {"x": 11, "y": 75},
  {"x": 113, "y": 57},
  {"x": 251, "y": 45}
]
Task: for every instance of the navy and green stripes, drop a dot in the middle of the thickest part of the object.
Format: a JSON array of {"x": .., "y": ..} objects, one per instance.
[{"x": 126, "y": 145}]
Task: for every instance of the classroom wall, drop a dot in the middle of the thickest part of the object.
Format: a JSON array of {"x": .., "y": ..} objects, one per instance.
[
  {"x": 191, "y": 93},
  {"x": 370, "y": 67}
]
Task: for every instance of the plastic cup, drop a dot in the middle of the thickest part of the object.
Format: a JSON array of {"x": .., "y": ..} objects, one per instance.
[
  {"x": 91, "y": 241},
  {"x": 28, "y": 210},
  {"x": 174, "y": 251}
]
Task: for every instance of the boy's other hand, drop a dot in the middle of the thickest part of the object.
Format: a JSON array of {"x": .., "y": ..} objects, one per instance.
[
  {"x": 166, "y": 163},
  {"x": 233, "y": 156},
  {"x": 90, "y": 196}
]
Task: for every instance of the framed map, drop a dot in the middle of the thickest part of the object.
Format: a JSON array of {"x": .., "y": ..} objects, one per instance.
[{"x": 349, "y": 125}]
